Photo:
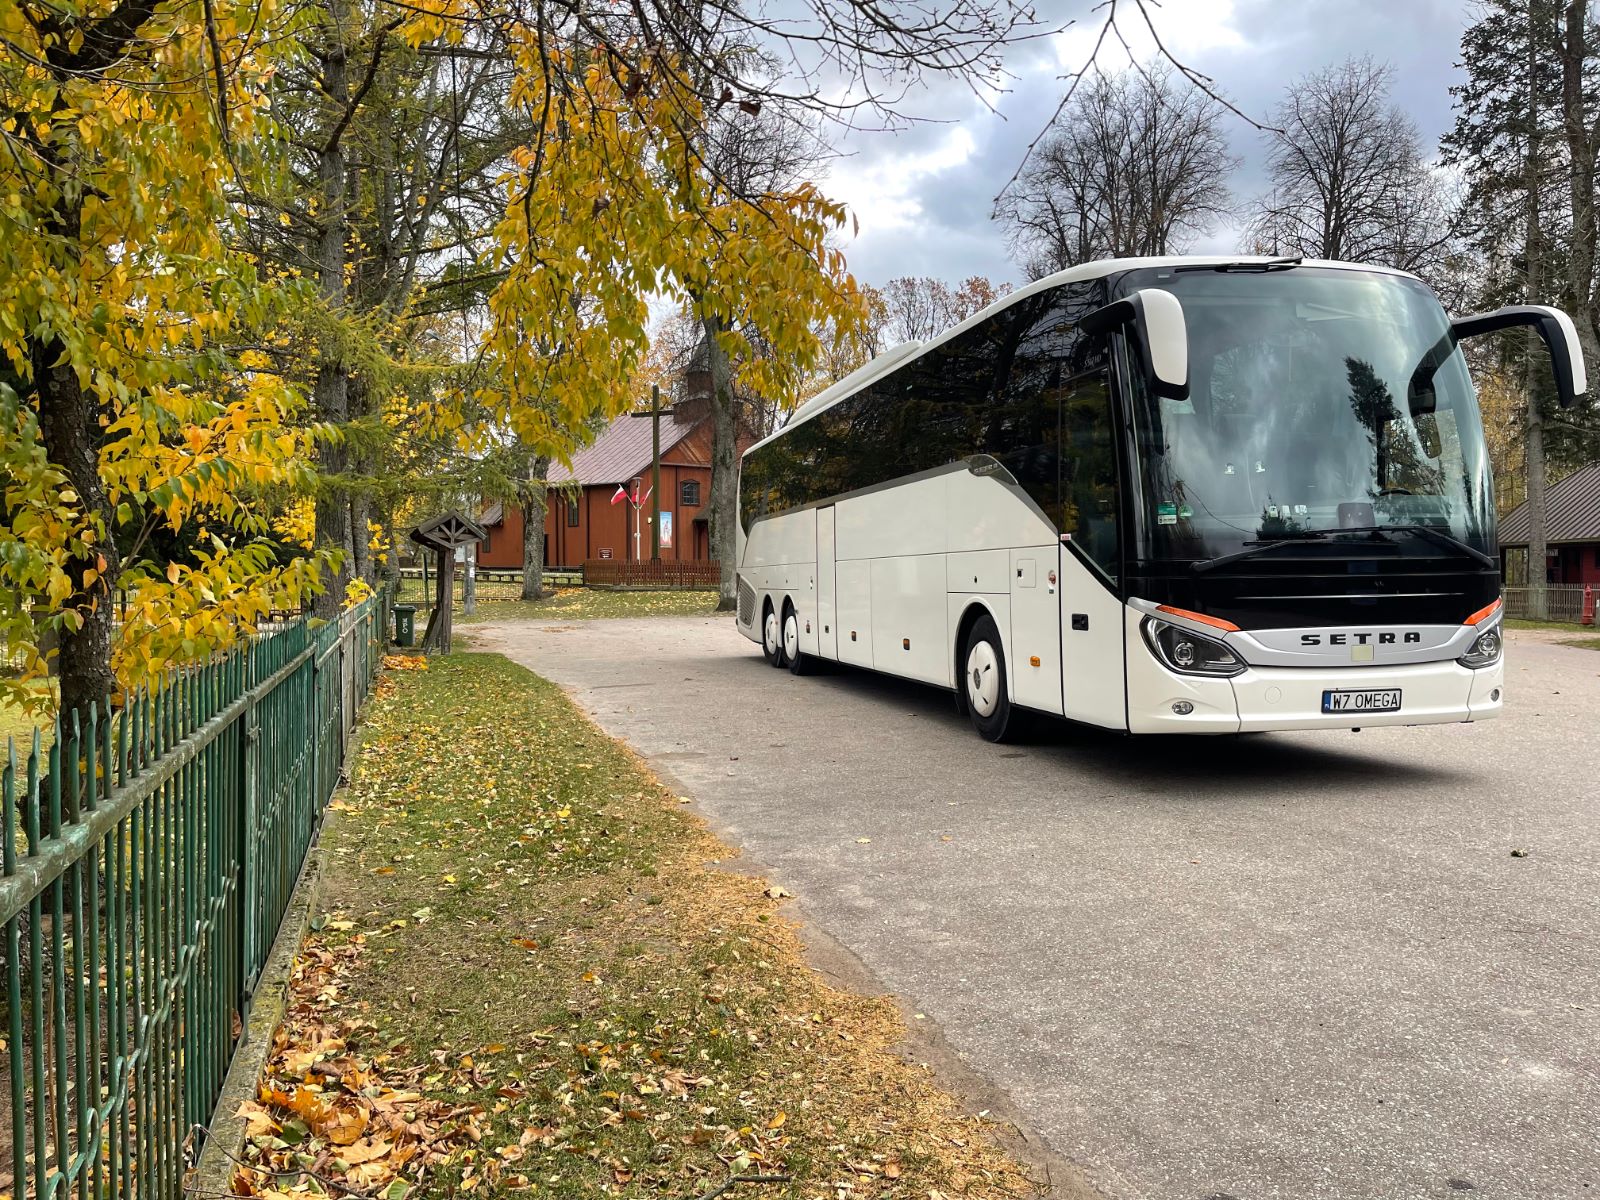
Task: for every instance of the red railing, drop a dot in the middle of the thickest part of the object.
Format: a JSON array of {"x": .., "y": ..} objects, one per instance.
[{"x": 668, "y": 573}]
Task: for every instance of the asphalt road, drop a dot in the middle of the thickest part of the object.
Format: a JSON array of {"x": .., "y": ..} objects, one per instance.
[{"x": 1287, "y": 965}]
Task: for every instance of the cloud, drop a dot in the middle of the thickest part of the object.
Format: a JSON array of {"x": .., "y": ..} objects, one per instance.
[
  {"x": 923, "y": 196},
  {"x": 886, "y": 184},
  {"x": 1187, "y": 29}
]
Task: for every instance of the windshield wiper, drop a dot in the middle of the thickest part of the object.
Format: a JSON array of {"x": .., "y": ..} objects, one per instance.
[
  {"x": 1263, "y": 265},
  {"x": 1437, "y": 536}
]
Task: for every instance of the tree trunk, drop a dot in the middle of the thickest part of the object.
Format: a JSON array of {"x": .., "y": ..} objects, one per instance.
[
  {"x": 360, "y": 402},
  {"x": 331, "y": 392},
  {"x": 1538, "y": 515},
  {"x": 469, "y": 581},
  {"x": 1582, "y": 300},
  {"x": 69, "y": 421},
  {"x": 1538, "y": 506},
  {"x": 361, "y": 538},
  {"x": 330, "y": 395},
  {"x": 724, "y": 507},
  {"x": 535, "y": 503}
]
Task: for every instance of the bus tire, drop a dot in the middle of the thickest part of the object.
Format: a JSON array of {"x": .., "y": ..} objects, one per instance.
[
  {"x": 799, "y": 660},
  {"x": 771, "y": 636},
  {"x": 983, "y": 681}
]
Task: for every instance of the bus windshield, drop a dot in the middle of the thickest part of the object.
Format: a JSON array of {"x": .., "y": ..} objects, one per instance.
[{"x": 1320, "y": 399}]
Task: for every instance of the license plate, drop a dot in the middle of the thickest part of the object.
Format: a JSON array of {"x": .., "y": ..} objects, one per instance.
[{"x": 1387, "y": 700}]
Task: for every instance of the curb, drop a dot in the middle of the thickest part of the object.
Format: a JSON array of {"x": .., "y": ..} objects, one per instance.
[{"x": 213, "y": 1174}]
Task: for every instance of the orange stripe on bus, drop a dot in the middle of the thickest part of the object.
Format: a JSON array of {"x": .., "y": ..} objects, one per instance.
[{"x": 1214, "y": 622}]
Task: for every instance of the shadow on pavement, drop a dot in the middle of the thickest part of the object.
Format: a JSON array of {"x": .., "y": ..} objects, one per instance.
[{"x": 1248, "y": 762}]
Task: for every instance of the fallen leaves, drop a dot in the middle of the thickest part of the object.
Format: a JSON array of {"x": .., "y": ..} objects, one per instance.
[
  {"x": 326, "y": 1119},
  {"x": 583, "y": 1005},
  {"x": 405, "y": 662}
]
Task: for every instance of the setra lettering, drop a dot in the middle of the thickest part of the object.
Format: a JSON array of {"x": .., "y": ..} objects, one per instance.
[{"x": 1408, "y": 637}]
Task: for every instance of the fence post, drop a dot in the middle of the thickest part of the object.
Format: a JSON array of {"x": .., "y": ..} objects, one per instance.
[
  {"x": 316, "y": 727},
  {"x": 250, "y": 869},
  {"x": 344, "y": 702}
]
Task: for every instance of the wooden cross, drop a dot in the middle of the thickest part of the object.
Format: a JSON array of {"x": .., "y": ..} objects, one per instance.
[{"x": 655, "y": 414}]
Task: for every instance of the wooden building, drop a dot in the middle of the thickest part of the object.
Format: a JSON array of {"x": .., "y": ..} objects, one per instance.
[
  {"x": 582, "y": 523},
  {"x": 1572, "y": 532}
]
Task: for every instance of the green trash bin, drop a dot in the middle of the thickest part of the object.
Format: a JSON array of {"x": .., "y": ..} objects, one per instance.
[{"x": 405, "y": 626}]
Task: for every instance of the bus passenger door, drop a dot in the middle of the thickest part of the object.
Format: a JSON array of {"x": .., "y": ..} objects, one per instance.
[
  {"x": 827, "y": 617},
  {"x": 1093, "y": 686}
]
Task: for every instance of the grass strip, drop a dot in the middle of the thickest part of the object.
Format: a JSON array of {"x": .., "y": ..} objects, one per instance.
[
  {"x": 500, "y": 602},
  {"x": 532, "y": 976},
  {"x": 1584, "y": 639}
]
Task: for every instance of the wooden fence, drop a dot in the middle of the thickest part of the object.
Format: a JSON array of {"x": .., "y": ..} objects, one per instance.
[
  {"x": 611, "y": 572},
  {"x": 1563, "y": 602}
]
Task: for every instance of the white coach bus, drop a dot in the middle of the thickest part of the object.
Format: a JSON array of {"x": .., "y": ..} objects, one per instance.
[{"x": 1174, "y": 495}]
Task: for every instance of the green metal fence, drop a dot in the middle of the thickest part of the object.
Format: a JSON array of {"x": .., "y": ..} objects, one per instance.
[{"x": 149, "y": 857}]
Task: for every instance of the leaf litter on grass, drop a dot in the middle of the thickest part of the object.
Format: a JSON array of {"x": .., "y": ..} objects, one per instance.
[
  {"x": 590, "y": 604},
  {"x": 532, "y": 977}
]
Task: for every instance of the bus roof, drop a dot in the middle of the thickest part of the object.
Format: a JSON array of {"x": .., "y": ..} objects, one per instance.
[{"x": 905, "y": 352}]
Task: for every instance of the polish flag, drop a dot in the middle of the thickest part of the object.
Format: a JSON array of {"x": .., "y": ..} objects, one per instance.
[{"x": 622, "y": 494}]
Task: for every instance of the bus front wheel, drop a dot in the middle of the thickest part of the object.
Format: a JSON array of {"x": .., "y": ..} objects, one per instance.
[
  {"x": 983, "y": 682},
  {"x": 799, "y": 660}
]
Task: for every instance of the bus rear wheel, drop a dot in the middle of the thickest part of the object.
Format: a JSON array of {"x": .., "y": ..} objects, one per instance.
[
  {"x": 772, "y": 638},
  {"x": 983, "y": 682}
]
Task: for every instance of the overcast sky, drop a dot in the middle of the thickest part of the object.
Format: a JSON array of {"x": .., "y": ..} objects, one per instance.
[{"x": 923, "y": 196}]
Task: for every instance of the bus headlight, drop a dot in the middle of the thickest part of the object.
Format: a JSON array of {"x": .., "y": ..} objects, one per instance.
[
  {"x": 1189, "y": 653},
  {"x": 1485, "y": 650}
]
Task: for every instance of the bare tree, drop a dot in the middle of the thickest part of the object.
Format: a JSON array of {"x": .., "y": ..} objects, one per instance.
[
  {"x": 848, "y": 61},
  {"x": 916, "y": 308},
  {"x": 757, "y": 150},
  {"x": 1349, "y": 177},
  {"x": 1137, "y": 164}
]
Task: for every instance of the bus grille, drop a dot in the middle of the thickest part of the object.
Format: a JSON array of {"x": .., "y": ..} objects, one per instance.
[{"x": 747, "y": 603}]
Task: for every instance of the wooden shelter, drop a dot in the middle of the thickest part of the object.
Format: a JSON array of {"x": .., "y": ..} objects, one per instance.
[{"x": 442, "y": 536}]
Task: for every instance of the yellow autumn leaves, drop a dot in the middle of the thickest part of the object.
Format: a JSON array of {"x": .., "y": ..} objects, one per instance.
[
  {"x": 617, "y": 202},
  {"x": 117, "y": 279},
  {"x": 121, "y": 199}
]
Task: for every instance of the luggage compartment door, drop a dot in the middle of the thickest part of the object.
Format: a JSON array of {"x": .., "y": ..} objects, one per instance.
[{"x": 827, "y": 615}]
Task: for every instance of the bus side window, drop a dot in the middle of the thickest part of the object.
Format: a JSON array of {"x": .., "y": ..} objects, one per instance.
[{"x": 1089, "y": 469}]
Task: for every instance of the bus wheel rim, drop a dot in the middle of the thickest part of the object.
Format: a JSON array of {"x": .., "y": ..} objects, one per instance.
[
  {"x": 770, "y": 633},
  {"x": 791, "y": 636},
  {"x": 983, "y": 679}
]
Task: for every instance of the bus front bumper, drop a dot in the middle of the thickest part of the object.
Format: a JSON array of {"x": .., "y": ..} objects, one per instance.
[{"x": 1262, "y": 699}]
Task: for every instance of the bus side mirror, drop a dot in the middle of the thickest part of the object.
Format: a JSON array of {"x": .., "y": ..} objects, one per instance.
[
  {"x": 1553, "y": 325},
  {"x": 1163, "y": 336}
]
